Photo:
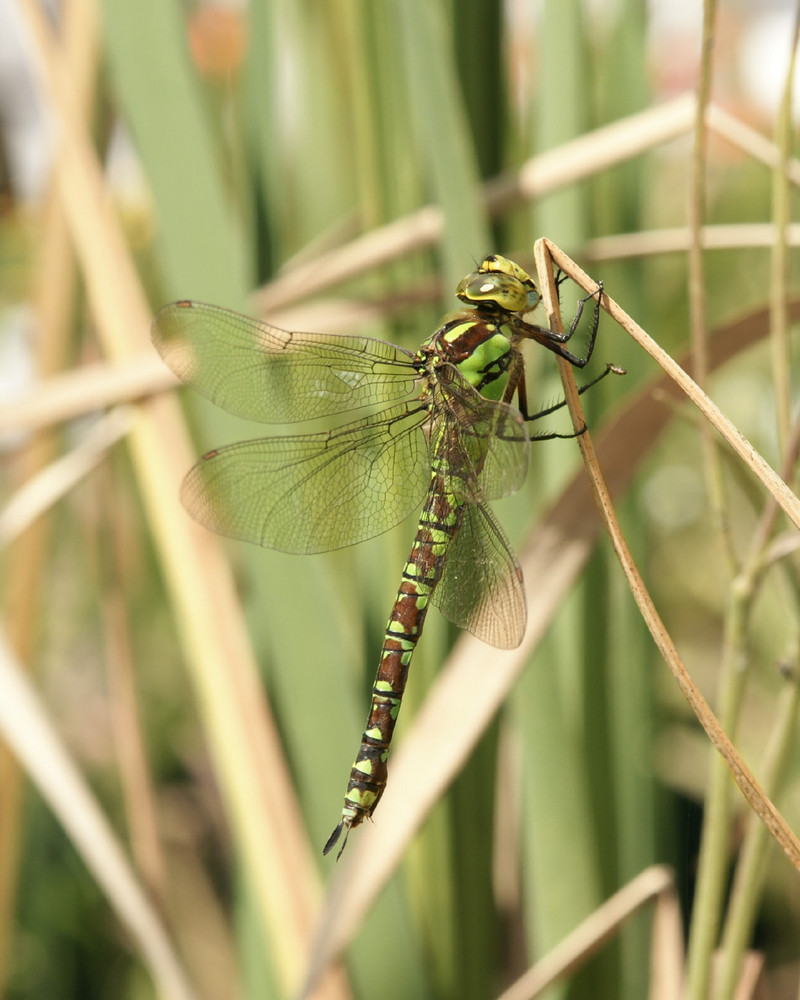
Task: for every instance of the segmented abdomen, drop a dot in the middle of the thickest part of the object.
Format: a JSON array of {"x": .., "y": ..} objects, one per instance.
[{"x": 438, "y": 524}]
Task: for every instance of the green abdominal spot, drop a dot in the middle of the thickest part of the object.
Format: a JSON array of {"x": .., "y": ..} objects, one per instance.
[
  {"x": 361, "y": 798},
  {"x": 397, "y": 627}
]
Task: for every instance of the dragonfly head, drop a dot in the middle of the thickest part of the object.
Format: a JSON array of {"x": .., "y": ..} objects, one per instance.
[{"x": 499, "y": 284}]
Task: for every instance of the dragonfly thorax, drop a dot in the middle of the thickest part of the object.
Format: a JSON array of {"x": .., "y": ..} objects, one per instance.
[{"x": 477, "y": 347}]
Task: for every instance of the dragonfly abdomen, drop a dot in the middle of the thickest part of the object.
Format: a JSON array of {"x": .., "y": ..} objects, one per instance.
[{"x": 438, "y": 524}]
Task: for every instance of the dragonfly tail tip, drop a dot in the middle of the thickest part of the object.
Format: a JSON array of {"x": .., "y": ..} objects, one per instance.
[{"x": 334, "y": 837}]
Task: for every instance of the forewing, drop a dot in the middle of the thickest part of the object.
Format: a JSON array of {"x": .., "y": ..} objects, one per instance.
[
  {"x": 314, "y": 492},
  {"x": 260, "y": 372},
  {"x": 481, "y": 587}
]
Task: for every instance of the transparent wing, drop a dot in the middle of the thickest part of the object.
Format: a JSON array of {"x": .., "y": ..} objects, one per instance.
[
  {"x": 314, "y": 492},
  {"x": 481, "y": 587},
  {"x": 484, "y": 442},
  {"x": 507, "y": 451},
  {"x": 260, "y": 372}
]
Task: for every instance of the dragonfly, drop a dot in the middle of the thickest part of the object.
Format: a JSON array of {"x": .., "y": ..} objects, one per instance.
[{"x": 438, "y": 427}]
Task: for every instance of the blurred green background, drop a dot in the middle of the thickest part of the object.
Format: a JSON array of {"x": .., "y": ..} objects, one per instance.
[{"x": 242, "y": 140}]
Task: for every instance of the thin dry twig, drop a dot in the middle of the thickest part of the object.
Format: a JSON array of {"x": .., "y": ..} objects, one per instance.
[
  {"x": 592, "y": 933},
  {"x": 784, "y": 496},
  {"x": 28, "y": 731},
  {"x": 546, "y": 255}
]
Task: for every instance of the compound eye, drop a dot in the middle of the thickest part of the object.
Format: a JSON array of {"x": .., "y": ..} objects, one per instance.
[
  {"x": 501, "y": 290},
  {"x": 501, "y": 283}
]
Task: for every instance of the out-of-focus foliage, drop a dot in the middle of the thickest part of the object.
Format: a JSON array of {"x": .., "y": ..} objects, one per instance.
[{"x": 244, "y": 140}]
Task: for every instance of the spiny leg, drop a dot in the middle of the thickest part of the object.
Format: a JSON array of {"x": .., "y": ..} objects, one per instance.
[
  {"x": 554, "y": 341},
  {"x": 547, "y": 410}
]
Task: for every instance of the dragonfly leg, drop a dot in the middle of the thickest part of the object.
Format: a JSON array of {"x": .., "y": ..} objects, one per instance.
[
  {"x": 555, "y": 342},
  {"x": 561, "y": 277},
  {"x": 547, "y": 410},
  {"x": 516, "y": 381}
]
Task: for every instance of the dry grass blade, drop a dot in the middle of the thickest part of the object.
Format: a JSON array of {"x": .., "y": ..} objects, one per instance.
[
  {"x": 780, "y": 272},
  {"x": 741, "y": 236},
  {"x": 746, "y": 138},
  {"x": 573, "y": 161},
  {"x": 598, "y": 928},
  {"x": 589, "y": 154},
  {"x": 28, "y": 731},
  {"x": 546, "y": 255},
  {"x": 580, "y": 158},
  {"x": 83, "y": 390},
  {"x": 260, "y": 799},
  {"x": 54, "y": 290},
  {"x": 667, "y": 953},
  {"x": 51, "y": 483}
]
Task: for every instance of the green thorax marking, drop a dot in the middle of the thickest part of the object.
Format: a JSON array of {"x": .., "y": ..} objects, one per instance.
[{"x": 477, "y": 347}]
